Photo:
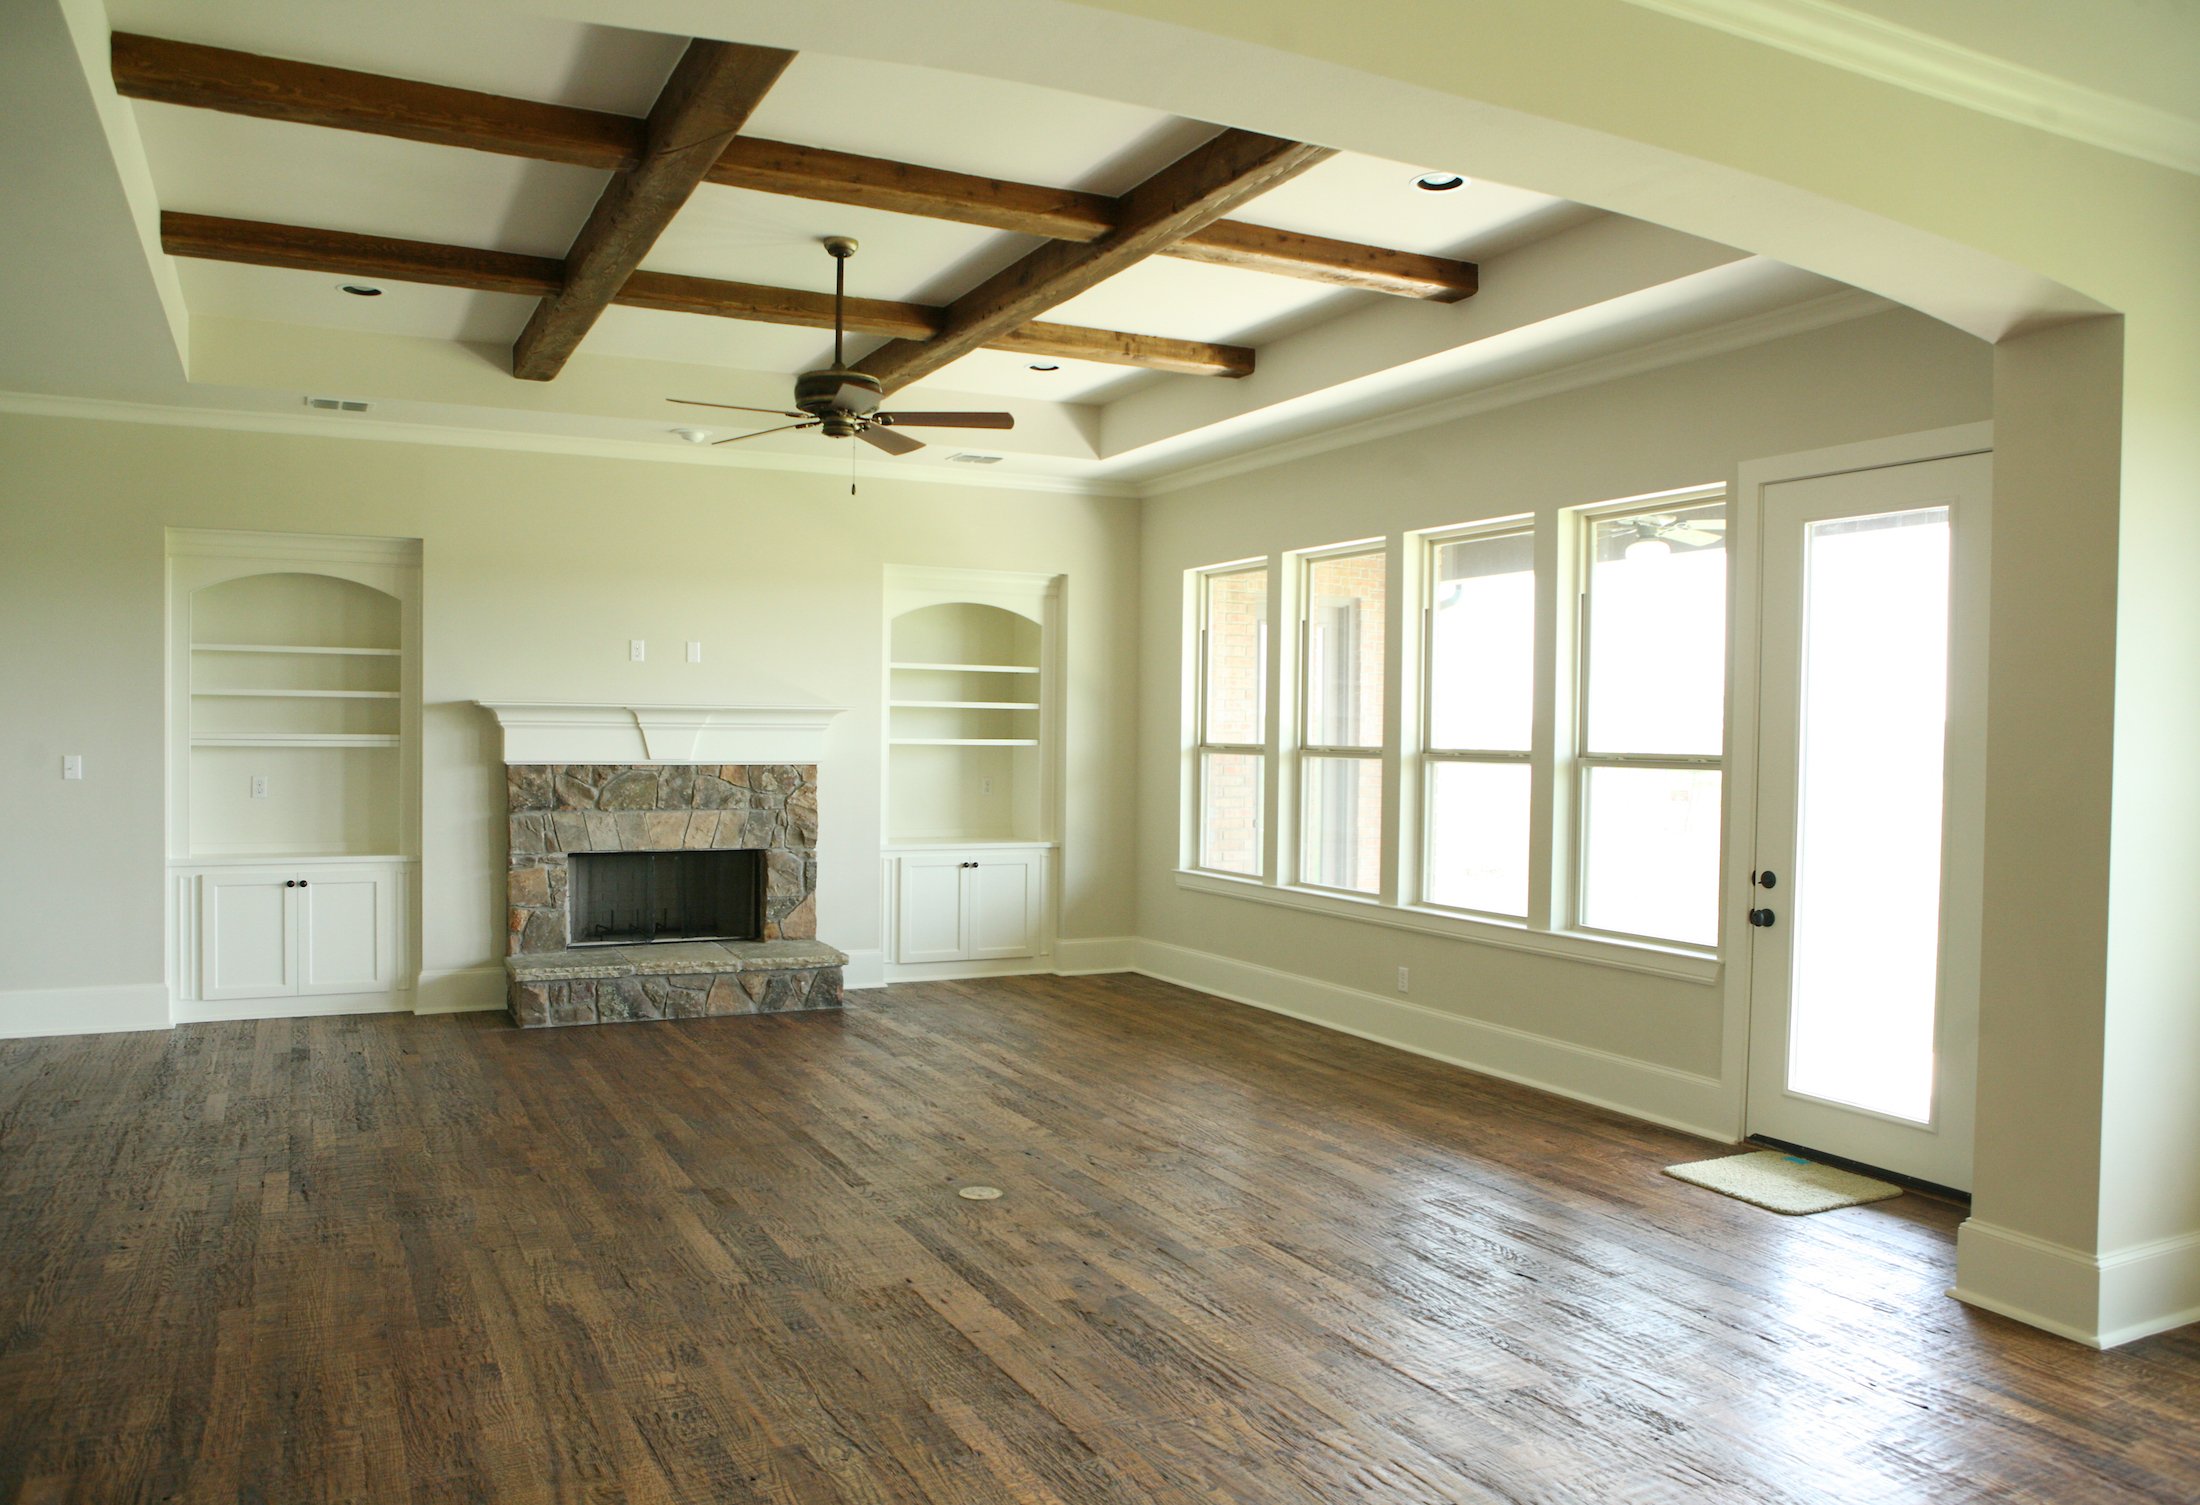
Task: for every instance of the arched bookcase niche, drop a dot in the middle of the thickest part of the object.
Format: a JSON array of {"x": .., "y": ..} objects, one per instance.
[
  {"x": 294, "y": 769},
  {"x": 972, "y": 760}
]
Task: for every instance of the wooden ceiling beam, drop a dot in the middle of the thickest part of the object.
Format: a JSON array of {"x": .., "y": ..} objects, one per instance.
[
  {"x": 343, "y": 254},
  {"x": 712, "y": 90},
  {"x": 243, "y": 83},
  {"x": 1190, "y": 193}
]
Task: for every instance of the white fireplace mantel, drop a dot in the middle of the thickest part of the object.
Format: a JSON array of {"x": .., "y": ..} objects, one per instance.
[{"x": 571, "y": 731}]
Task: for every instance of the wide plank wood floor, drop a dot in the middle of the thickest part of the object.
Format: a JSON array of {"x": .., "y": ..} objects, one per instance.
[{"x": 1239, "y": 1259}]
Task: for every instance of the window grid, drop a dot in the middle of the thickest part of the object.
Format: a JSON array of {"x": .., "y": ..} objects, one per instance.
[
  {"x": 1350, "y": 811},
  {"x": 1585, "y": 762},
  {"x": 1228, "y": 762},
  {"x": 1434, "y": 754}
]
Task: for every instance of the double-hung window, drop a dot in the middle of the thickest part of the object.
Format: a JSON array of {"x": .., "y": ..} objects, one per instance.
[
  {"x": 1232, "y": 714},
  {"x": 1344, "y": 601},
  {"x": 1478, "y": 719},
  {"x": 1650, "y": 721}
]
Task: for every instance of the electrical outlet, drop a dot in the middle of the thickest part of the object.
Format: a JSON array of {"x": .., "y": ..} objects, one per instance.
[
  {"x": 695, "y": 651},
  {"x": 259, "y": 786},
  {"x": 636, "y": 649},
  {"x": 1405, "y": 981},
  {"x": 72, "y": 766},
  {"x": 985, "y": 786}
]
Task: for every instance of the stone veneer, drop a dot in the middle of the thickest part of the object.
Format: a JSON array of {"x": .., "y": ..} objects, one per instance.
[
  {"x": 560, "y": 808},
  {"x": 557, "y": 808}
]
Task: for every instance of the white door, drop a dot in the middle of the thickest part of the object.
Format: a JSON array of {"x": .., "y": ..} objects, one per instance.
[
  {"x": 1865, "y": 910},
  {"x": 346, "y": 940},
  {"x": 1001, "y": 904},
  {"x": 929, "y": 908},
  {"x": 247, "y": 934}
]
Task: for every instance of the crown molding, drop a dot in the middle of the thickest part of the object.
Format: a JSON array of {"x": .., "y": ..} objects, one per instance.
[
  {"x": 1737, "y": 334},
  {"x": 1954, "y": 74},
  {"x": 110, "y": 410}
]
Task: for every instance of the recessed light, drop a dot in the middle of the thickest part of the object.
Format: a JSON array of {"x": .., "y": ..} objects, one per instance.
[
  {"x": 1044, "y": 366},
  {"x": 361, "y": 290},
  {"x": 1439, "y": 182}
]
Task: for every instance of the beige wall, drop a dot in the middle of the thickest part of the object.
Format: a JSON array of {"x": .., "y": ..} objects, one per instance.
[
  {"x": 1683, "y": 425},
  {"x": 537, "y": 570}
]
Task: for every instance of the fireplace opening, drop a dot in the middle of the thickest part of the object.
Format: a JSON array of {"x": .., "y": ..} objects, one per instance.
[{"x": 632, "y": 898}]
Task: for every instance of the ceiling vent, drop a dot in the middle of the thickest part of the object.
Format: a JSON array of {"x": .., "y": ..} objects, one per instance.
[
  {"x": 337, "y": 404},
  {"x": 967, "y": 458}
]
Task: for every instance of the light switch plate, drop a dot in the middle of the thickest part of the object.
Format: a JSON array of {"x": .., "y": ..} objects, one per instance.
[
  {"x": 72, "y": 766},
  {"x": 695, "y": 651}
]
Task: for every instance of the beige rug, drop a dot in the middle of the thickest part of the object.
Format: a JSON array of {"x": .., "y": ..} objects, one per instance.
[{"x": 1785, "y": 1183}]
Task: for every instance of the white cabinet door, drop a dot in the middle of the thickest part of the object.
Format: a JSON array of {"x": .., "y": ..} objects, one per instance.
[
  {"x": 346, "y": 930},
  {"x": 1001, "y": 904},
  {"x": 247, "y": 934},
  {"x": 929, "y": 919}
]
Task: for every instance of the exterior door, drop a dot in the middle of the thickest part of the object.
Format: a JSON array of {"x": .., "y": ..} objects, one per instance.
[
  {"x": 345, "y": 931},
  {"x": 1001, "y": 904},
  {"x": 248, "y": 934},
  {"x": 1865, "y": 906}
]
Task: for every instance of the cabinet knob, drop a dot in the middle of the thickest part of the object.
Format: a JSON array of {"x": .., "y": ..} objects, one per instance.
[{"x": 290, "y": 883}]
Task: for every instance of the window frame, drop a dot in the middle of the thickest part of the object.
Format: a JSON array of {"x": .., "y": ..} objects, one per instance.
[
  {"x": 1583, "y": 762},
  {"x": 1305, "y": 752},
  {"x": 1427, "y": 753},
  {"x": 1201, "y": 746}
]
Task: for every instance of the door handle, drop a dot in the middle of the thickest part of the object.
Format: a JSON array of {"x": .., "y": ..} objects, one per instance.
[{"x": 1762, "y": 918}]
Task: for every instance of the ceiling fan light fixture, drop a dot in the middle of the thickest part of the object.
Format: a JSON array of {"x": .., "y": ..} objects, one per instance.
[
  {"x": 1438, "y": 182},
  {"x": 694, "y": 436}
]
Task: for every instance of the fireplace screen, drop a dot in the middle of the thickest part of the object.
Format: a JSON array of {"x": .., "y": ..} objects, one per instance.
[{"x": 628, "y": 898}]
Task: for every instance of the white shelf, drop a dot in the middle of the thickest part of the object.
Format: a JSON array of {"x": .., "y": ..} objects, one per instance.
[
  {"x": 295, "y": 694},
  {"x": 262, "y": 856},
  {"x": 291, "y": 648},
  {"x": 300, "y": 739},
  {"x": 965, "y": 741},
  {"x": 965, "y": 705},
  {"x": 971, "y": 668}
]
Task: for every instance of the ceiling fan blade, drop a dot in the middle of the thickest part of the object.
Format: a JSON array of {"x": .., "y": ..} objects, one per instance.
[
  {"x": 888, "y": 440},
  {"x": 947, "y": 420},
  {"x": 733, "y": 407},
  {"x": 760, "y": 433}
]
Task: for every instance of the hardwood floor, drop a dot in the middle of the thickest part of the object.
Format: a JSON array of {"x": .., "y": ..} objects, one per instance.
[{"x": 1239, "y": 1259}]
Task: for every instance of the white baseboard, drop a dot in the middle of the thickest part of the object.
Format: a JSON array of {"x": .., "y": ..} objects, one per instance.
[
  {"x": 316, "y": 1006},
  {"x": 2100, "y": 1300},
  {"x": 1083, "y": 958},
  {"x": 460, "y": 990},
  {"x": 1677, "y": 1099},
  {"x": 865, "y": 969},
  {"x": 29, "y": 1012}
]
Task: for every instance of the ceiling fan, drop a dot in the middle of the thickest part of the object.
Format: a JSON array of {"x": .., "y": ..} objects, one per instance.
[{"x": 844, "y": 403}]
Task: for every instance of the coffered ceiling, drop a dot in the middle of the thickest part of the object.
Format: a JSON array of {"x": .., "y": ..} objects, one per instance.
[{"x": 1344, "y": 290}]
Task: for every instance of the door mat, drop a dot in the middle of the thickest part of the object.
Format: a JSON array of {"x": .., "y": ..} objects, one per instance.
[{"x": 1785, "y": 1183}]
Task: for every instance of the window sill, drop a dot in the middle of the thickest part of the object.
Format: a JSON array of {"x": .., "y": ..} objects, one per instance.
[{"x": 1602, "y": 951}]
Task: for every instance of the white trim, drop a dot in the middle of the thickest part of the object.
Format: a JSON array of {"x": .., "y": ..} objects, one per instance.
[
  {"x": 296, "y": 1006},
  {"x": 1740, "y": 334},
  {"x": 1893, "y": 54},
  {"x": 1663, "y": 1095},
  {"x": 1087, "y": 957},
  {"x": 2100, "y": 1300},
  {"x": 1596, "y": 950},
  {"x": 236, "y": 543},
  {"x": 460, "y": 990},
  {"x": 29, "y": 1012},
  {"x": 310, "y": 425},
  {"x": 560, "y": 731}
]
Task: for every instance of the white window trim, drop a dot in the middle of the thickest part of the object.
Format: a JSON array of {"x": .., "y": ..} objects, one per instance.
[
  {"x": 1382, "y": 752},
  {"x": 1424, "y": 755},
  {"x": 1198, "y": 748},
  {"x": 1579, "y": 760}
]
